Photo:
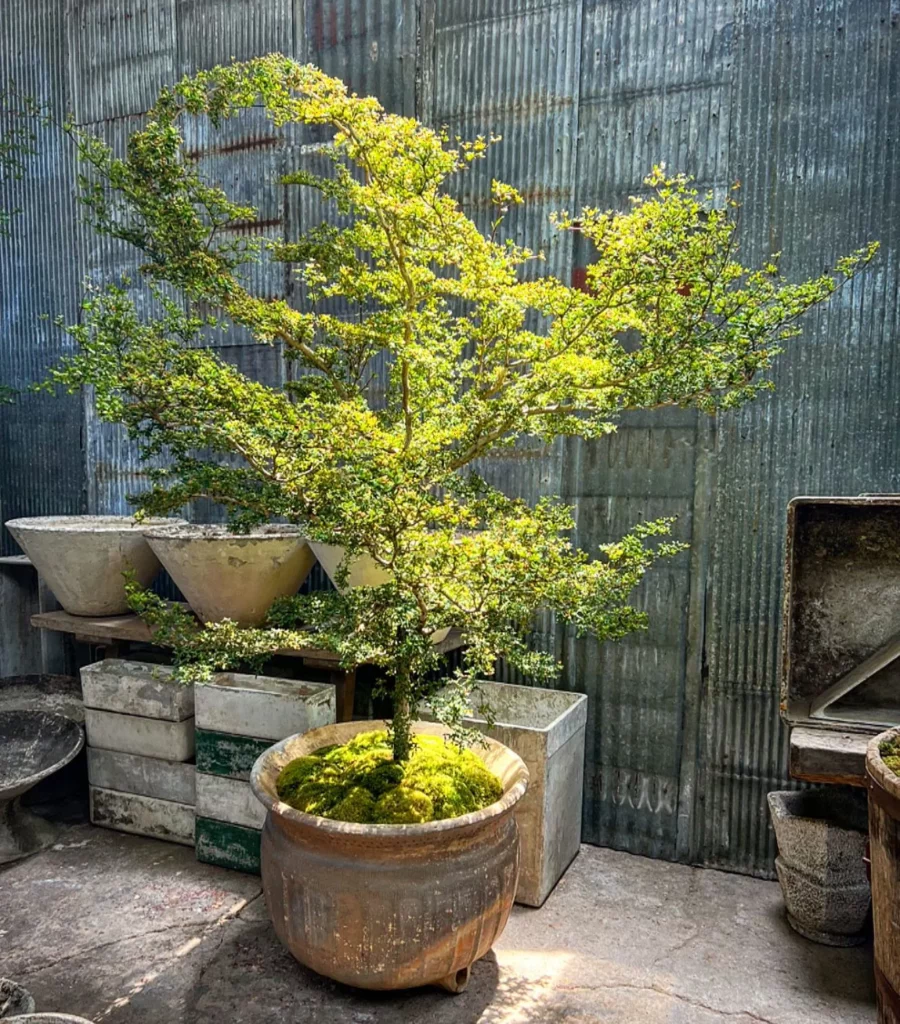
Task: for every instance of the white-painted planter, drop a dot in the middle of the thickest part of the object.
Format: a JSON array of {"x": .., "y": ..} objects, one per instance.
[
  {"x": 546, "y": 728},
  {"x": 263, "y": 707},
  {"x": 150, "y": 737},
  {"x": 228, "y": 800},
  {"x": 142, "y": 776},
  {"x": 233, "y": 576},
  {"x": 143, "y": 815},
  {"x": 362, "y": 571},
  {"x": 83, "y": 558},
  {"x": 136, "y": 688}
]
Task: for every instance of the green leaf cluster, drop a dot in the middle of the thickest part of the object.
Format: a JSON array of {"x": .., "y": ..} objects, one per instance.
[{"x": 469, "y": 352}]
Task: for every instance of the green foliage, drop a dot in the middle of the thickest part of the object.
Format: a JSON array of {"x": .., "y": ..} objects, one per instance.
[
  {"x": 478, "y": 355},
  {"x": 360, "y": 782}
]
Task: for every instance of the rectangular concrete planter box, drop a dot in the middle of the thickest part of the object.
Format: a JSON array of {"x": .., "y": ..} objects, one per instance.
[
  {"x": 261, "y": 706},
  {"x": 143, "y": 815},
  {"x": 219, "y": 753},
  {"x": 142, "y": 776},
  {"x": 150, "y": 737},
  {"x": 229, "y": 800},
  {"x": 227, "y": 845},
  {"x": 136, "y": 688},
  {"x": 546, "y": 729}
]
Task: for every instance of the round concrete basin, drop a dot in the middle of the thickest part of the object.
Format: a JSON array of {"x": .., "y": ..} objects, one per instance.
[{"x": 33, "y": 745}]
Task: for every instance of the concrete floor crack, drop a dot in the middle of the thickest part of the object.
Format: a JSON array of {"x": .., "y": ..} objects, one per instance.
[
  {"x": 687, "y": 1000},
  {"x": 87, "y": 951}
]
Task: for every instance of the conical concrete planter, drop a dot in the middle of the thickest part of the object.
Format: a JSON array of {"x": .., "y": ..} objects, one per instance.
[
  {"x": 821, "y": 836},
  {"x": 362, "y": 571},
  {"x": 233, "y": 576},
  {"x": 389, "y": 906},
  {"x": 83, "y": 558}
]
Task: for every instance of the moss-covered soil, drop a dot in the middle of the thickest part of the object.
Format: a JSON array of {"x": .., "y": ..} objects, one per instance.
[
  {"x": 359, "y": 781},
  {"x": 890, "y": 754}
]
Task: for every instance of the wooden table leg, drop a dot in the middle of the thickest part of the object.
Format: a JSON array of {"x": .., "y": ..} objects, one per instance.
[{"x": 345, "y": 691}]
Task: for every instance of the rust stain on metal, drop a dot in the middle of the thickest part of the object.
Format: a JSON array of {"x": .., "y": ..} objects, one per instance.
[{"x": 242, "y": 146}]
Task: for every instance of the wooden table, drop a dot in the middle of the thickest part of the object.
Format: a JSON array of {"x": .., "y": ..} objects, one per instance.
[{"x": 116, "y": 633}]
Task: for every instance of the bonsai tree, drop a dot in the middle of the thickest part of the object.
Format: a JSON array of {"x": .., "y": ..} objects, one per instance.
[{"x": 421, "y": 344}]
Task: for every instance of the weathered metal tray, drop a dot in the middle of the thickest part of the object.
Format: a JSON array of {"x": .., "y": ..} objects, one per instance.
[{"x": 841, "y": 616}]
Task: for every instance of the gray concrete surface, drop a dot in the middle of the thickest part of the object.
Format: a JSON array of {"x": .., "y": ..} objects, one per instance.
[{"x": 127, "y": 930}]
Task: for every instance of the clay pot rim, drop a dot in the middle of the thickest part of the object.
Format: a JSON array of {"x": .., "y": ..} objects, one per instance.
[
  {"x": 876, "y": 770},
  {"x": 85, "y": 524},
  {"x": 217, "y": 532},
  {"x": 510, "y": 797},
  {"x": 32, "y": 780}
]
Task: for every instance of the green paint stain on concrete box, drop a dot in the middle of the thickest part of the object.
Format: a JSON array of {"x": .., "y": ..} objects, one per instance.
[
  {"x": 219, "y": 753},
  {"x": 227, "y": 846}
]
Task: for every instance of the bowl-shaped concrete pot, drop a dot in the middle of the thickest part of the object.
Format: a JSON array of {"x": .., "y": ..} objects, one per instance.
[
  {"x": 83, "y": 558},
  {"x": 389, "y": 906},
  {"x": 225, "y": 575},
  {"x": 821, "y": 836},
  {"x": 33, "y": 745}
]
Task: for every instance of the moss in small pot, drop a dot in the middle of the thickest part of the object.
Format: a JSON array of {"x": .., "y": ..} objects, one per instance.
[
  {"x": 890, "y": 754},
  {"x": 360, "y": 782}
]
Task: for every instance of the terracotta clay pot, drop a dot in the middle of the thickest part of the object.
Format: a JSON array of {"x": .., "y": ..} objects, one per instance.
[{"x": 389, "y": 906}]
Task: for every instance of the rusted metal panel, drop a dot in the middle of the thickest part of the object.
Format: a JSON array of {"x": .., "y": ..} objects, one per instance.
[
  {"x": 41, "y": 465},
  {"x": 211, "y": 32},
  {"x": 654, "y": 87},
  {"x": 121, "y": 53},
  {"x": 813, "y": 141}
]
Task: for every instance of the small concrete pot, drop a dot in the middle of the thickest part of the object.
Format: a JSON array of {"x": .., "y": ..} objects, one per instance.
[
  {"x": 83, "y": 558},
  {"x": 821, "y": 836},
  {"x": 33, "y": 745},
  {"x": 233, "y": 576}
]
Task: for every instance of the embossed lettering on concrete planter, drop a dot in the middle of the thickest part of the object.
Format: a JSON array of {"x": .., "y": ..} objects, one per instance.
[
  {"x": 263, "y": 707},
  {"x": 233, "y": 576},
  {"x": 546, "y": 728},
  {"x": 389, "y": 906},
  {"x": 821, "y": 836},
  {"x": 143, "y": 815},
  {"x": 83, "y": 558}
]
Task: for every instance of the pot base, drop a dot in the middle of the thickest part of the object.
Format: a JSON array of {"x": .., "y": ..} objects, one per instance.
[
  {"x": 23, "y": 833},
  {"x": 825, "y": 938},
  {"x": 456, "y": 982}
]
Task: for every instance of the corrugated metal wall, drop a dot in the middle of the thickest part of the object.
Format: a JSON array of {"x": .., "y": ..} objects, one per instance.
[{"x": 793, "y": 98}]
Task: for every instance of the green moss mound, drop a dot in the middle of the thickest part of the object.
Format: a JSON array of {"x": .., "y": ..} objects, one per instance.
[
  {"x": 359, "y": 781},
  {"x": 890, "y": 754}
]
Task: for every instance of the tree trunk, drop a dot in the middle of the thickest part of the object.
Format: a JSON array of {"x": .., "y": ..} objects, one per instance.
[{"x": 402, "y": 723}]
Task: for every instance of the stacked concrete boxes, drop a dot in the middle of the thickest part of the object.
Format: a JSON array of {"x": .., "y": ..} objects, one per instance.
[
  {"x": 237, "y": 718},
  {"x": 140, "y": 733}
]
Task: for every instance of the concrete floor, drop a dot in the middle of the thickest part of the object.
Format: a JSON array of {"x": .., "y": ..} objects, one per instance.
[{"x": 133, "y": 931}]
